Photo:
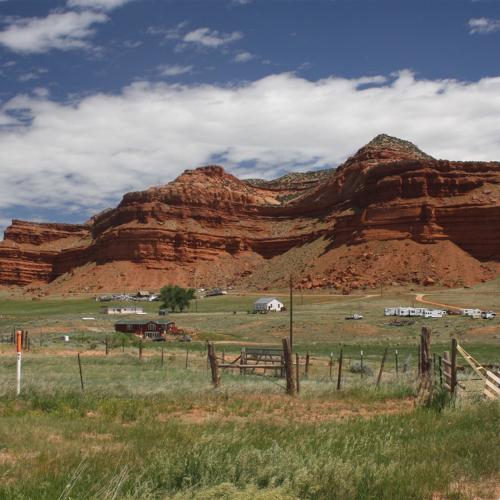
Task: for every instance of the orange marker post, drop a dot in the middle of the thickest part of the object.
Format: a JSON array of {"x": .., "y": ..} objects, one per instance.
[{"x": 19, "y": 349}]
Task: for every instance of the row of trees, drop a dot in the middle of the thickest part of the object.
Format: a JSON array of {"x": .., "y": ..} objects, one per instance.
[{"x": 174, "y": 297}]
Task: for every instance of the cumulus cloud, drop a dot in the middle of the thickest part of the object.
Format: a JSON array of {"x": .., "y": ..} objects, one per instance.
[
  {"x": 483, "y": 26},
  {"x": 174, "y": 69},
  {"x": 97, "y": 4},
  {"x": 59, "y": 30},
  {"x": 85, "y": 154},
  {"x": 243, "y": 57},
  {"x": 206, "y": 37}
]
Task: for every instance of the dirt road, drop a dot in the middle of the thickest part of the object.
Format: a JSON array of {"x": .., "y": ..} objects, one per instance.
[{"x": 420, "y": 298}]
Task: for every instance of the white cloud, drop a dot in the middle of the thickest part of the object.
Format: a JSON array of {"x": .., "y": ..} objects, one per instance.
[
  {"x": 174, "y": 69},
  {"x": 243, "y": 57},
  {"x": 483, "y": 26},
  {"x": 88, "y": 153},
  {"x": 97, "y": 4},
  {"x": 241, "y": 2},
  {"x": 174, "y": 33},
  {"x": 32, "y": 75},
  {"x": 211, "y": 38},
  {"x": 59, "y": 30}
]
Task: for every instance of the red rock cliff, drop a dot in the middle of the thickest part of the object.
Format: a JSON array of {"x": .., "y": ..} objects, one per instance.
[{"x": 337, "y": 228}]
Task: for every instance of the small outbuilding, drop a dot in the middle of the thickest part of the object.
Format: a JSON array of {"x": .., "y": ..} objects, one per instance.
[{"x": 266, "y": 304}]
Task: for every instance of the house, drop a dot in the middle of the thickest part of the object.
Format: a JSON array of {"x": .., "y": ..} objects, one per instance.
[
  {"x": 122, "y": 310},
  {"x": 266, "y": 304},
  {"x": 154, "y": 330}
]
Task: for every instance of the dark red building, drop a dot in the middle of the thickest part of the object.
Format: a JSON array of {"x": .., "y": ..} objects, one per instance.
[{"x": 150, "y": 329}]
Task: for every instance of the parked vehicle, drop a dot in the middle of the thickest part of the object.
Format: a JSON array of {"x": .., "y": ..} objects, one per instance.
[
  {"x": 488, "y": 315},
  {"x": 354, "y": 316}
]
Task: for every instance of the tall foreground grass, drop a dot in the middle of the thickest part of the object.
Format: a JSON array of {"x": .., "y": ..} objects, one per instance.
[{"x": 68, "y": 445}]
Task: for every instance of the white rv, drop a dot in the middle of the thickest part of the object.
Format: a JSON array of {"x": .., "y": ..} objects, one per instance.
[
  {"x": 434, "y": 313},
  {"x": 472, "y": 313}
]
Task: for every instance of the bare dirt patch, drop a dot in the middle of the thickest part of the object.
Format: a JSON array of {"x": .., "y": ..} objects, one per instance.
[{"x": 298, "y": 410}]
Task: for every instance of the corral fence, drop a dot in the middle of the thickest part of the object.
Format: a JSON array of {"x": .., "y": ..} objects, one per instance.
[
  {"x": 466, "y": 380},
  {"x": 283, "y": 363}
]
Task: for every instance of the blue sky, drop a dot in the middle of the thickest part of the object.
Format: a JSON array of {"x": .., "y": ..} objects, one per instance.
[{"x": 99, "y": 97}]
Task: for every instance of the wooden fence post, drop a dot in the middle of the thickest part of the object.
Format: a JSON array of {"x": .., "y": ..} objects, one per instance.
[
  {"x": 425, "y": 359},
  {"x": 81, "y": 374},
  {"x": 187, "y": 356},
  {"x": 339, "y": 375},
  {"x": 214, "y": 366},
  {"x": 140, "y": 348},
  {"x": 453, "y": 366},
  {"x": 123, "y": 345},
  {"x": 162, "y": 357},
  {"x": 397, "y": 363},
  {"x": 331, "y": 364},
  {"x": 107, "y": 346},
  {"x": 307, "y": 364},
  {"x": 361, "y": 362},
  {"x": 424, "y": 391},
  {"x": 297, "y": 372},
  {"x": 440, "y": 366},
  {"x": 243, "y": 360},
  {"x": 287, "y": 354},
  {"x": 379, "y": 378},
  {"x": 447, "y": 370}
]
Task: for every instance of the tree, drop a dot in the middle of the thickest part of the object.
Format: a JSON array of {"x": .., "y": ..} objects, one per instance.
[{"x": 174, "y": 296}]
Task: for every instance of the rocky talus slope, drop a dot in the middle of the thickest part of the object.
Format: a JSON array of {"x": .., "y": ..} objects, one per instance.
[{"x": 389, "y": 214}]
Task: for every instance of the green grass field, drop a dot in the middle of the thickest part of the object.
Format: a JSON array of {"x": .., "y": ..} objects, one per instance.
[{"x": 141, "y": 429}]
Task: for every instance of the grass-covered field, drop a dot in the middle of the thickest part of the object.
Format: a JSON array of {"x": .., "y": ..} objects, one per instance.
[{"x": 143, "y": 430}]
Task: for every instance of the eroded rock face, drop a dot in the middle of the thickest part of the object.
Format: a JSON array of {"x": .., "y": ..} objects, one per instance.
[{"x": 334, "y": 229}]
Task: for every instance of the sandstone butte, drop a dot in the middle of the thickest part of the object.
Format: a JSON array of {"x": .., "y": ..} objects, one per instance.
[{"x": 389, "y": 215}]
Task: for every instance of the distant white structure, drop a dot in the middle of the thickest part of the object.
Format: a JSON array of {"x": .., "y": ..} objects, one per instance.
[
  {"x": 414, "y": 312},
  {"x": 473, "y": 313},
  {"x": 434, "y": 313},
  {"x": 122, "y": 310},
  {"x": 268, "y": 304}
]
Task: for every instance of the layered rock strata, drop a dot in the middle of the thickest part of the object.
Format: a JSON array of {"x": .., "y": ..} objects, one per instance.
[{"x": 333, "y": 229}]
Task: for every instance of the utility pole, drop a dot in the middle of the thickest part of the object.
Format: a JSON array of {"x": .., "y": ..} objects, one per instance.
[{"x": 291, "y": 314}]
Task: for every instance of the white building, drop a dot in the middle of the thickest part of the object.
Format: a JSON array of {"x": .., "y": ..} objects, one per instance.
[
  {"x": 268, "y": 304},
  {"x": 122, "y": 310}
]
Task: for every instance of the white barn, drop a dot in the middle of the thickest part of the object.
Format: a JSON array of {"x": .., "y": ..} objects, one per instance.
[{"x": 268, "y": 304}]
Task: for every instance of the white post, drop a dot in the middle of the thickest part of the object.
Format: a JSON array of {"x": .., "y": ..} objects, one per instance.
[{"x": 19, "y": 349}]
